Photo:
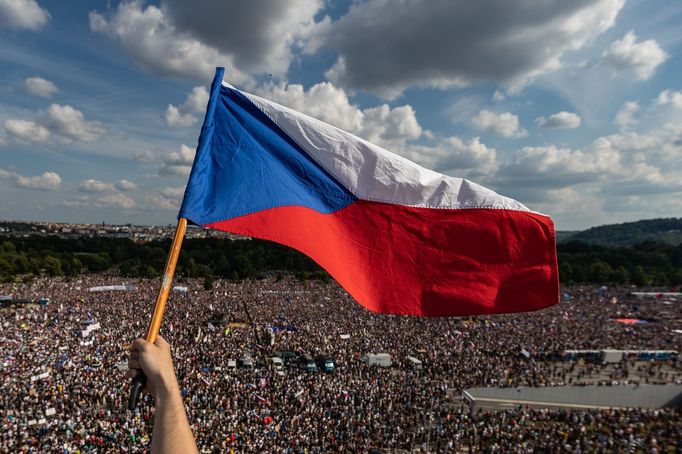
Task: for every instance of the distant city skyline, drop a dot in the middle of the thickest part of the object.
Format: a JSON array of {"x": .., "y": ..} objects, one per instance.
[
  {"x": 572, "y": 108},
  {"x": 77, "y": 230}
]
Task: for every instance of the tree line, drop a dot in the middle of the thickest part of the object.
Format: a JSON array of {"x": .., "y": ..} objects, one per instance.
[
  {"x": 645, "y": 264},
  {"x": 206, "y": 258},
  {"x": 633, "y": 233}
]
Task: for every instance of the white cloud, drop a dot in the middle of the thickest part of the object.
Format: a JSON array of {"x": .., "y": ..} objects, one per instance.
[
  {"x": 22, "y": 14},
  {"x": 559, "y": 120},
  {"x": 146, "y": 156},
  {"x": 630, "y": 141},
  {"x": 641, "y": 167},
  {"x": 384, "y": 125},
  {"x": 643, "y": 57},
  {"x": 625, "y": 117},
  {"x": 70, "y": 124},
  {"x": 197, "y": 100},
  {"x": 257, "y": 34},
  {"x": 46, "y": 181},
  {"x": 61, "y": 122},
  {"x": 178, "y": 162},
  {"x": 573, "y": 208},
  {"x": 503, "y": 124},
  {"x": 115, "y": 200},
  {"x": 179, "y": 39},
  {"x": 552, "y": 167},
  {"x": 324, "y": 101},
  {"x": 170, "y": 199},
  {"x": 26, "y": 130},
  {"x": 7, "y": 175},
  {"x": 465, "y": 107},
  {"x": 671, "y": 98},
  {"x": 174, "y": 119},
  {"x": 125, "y": 185},
  {"x": 445, "y": 43},
  {"x": 498, "y": 96},
  {"x": 183, "y": 115},
  {"x": 95, "y": 186},
  {"x": 79, "y": 202},
  {"x": 111, "y": 200},
  {"x": 611, "y": 175},
  {"x": 38, "y": 86},
  {"x": 174, "y": 194},
  {"x": 151, "y": 39},
  {"x": 155, "y": 202},
  {"x": 465, "y": 158}
]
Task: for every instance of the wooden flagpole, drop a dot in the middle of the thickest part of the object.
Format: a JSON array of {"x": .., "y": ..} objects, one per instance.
[{"x": 140, "y": 379}]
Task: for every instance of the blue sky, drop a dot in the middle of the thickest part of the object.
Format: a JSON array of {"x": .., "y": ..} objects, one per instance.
[{"x": 573, "y": 108}]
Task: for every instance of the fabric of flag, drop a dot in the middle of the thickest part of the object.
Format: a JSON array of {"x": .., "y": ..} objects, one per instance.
[{"x": 400, "y": 238}]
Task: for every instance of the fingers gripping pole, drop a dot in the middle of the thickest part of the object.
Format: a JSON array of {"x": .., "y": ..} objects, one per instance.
[{"x": 140, "y": 379}]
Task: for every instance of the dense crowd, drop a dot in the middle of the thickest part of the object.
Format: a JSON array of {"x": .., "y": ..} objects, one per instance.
[{"x": 64, "y": 390}]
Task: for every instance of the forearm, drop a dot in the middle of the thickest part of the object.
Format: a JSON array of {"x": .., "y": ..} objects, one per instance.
[{"x": 172, "y": 433}]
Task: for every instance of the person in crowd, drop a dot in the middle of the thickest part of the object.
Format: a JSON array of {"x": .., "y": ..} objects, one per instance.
[{"x": 64, "y": 387}]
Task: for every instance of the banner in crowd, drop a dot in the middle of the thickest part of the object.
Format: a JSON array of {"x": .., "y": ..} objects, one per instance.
[
  {"x": 112, "y": 288},
  {"x": 40, "y": 376}
]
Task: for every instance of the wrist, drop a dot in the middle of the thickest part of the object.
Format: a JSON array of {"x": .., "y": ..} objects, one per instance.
[{"x": 167, "y": 387}]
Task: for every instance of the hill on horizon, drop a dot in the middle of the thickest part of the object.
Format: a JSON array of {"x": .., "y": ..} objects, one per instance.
[{"x": 662, "y": 230}]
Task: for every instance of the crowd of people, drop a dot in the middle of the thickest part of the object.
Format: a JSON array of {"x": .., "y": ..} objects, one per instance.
[{"x": 62, "y": 369}]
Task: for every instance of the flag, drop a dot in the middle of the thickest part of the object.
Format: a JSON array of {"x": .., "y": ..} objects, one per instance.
[{"x": 399, "y": 238}]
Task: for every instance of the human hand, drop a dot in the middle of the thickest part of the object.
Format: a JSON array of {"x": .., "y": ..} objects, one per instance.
[{"x": 156, "y": 363}]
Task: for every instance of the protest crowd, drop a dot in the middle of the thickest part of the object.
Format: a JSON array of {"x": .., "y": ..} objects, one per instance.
[{"x": 62, "y": 367}]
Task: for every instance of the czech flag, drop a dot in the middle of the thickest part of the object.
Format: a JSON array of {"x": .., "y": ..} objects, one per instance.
[{"x": 401, "y": 239}]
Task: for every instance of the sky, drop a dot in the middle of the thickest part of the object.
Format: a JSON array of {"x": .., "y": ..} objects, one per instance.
[{"x": 574, "y": 108}]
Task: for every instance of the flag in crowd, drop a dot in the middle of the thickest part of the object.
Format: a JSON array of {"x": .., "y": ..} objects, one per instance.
[{"x": 398, "y": 237}]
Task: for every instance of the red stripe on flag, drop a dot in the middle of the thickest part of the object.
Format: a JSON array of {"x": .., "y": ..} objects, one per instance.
[{"x": 420, "y": 261}]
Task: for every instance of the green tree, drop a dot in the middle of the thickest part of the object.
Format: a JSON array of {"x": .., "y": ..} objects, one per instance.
[
  {"x": 7, "y": 247},
  {"x": 620, "y": 275},
  {"x": 222, "y": 266},
  {"x": 6, "y": 268},
  {"x": 675, "y": 276},
  {"x": 203, "y": 271},
  {"x": 244, "y": 266},
  {"x": 147, "y": 271},
  {"x": 21, "y": 264},
  {"x": 565, "y": 272},
  {"x": 95, "y": 263},
  {"x": 192, "y": 269},
  {"x": 53, "y": 266},
  {"x": 126, "y": 267},
  {"x": 659, "y": 278},
  {"x": 640, "y": 277},
  {"x": 208, "y": 282},
  {"x": 599, "y": 272}
]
